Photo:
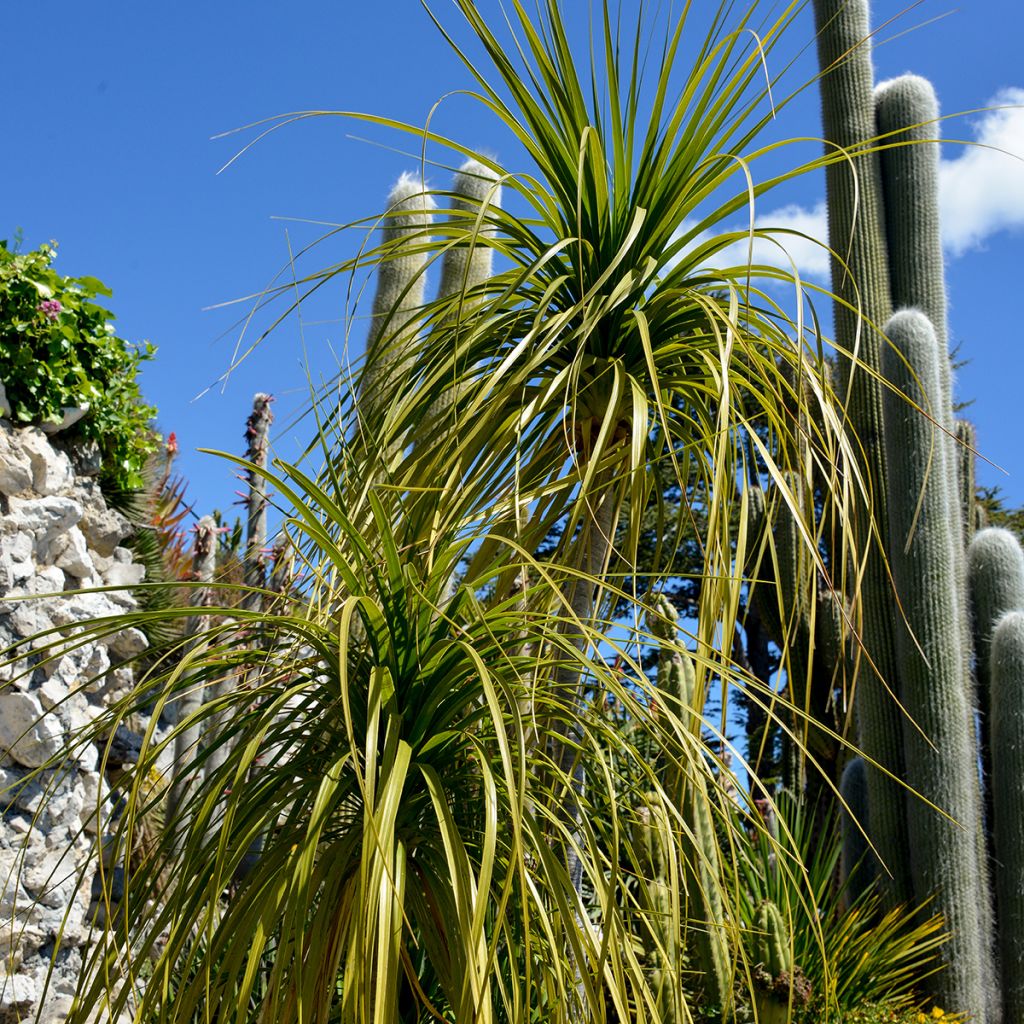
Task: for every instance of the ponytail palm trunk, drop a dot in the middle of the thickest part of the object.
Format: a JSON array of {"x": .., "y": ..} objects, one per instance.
[{"x": 588, "y": 559}]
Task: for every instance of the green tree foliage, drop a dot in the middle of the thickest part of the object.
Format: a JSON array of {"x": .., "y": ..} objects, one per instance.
[{"x": 58, "y": 350}]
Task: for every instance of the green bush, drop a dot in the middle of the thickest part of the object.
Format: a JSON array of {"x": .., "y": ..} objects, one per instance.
[{"x": 58, "y": 350}]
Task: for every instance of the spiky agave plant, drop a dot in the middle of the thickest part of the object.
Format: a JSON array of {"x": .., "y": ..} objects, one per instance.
[{"x": 426, "y": 779}]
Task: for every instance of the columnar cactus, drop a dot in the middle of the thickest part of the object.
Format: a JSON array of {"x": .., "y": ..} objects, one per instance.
[
  {"x": 940, "y": 748},
  {"x": 929, "y": 515},
  {"x": 995, "y": 577},
  {"x": 780, "y": 982},
  {"x": 398, "y": 300},
  {"x": 857, "y": 866},
  {"x": 995, "y": 568},
  {"x": 464, "y": 267},
  {"x": 660, "y": 936},
  {"x": 257, "y": 428},
  {"x": 774, "y": 949},
  {"x": 860, "y": 277},
  {"x": 971, "y": 510},
  {"x": 1007, "y": 675},
  {"x": 186, "y": 743},
  {"x": 906, "y": 111},
  {"x": 475, "y": 193}
]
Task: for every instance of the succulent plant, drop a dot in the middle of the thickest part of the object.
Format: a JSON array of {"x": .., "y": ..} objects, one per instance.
[
  {"x": 860, "y": 278},
  {"x": 858, "y": 865},
  {"x": 780, "y": 984},
  {"x": 940, "y": 748},
  {"x": 1007, "y": 679},
  {"x": 398, "y": 300}
]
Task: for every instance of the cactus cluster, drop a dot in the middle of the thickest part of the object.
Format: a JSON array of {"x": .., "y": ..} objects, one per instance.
[
  {"x": 781, "y": 987},
  {"x": 200, "y": 746},
  {"x": 917, "y": 698}
]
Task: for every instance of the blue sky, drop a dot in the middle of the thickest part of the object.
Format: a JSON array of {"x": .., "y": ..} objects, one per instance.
[{"x": 107, "y": 123}]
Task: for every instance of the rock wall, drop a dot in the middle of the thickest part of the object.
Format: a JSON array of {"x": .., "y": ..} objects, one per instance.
[{"x": 57, "y": 537}]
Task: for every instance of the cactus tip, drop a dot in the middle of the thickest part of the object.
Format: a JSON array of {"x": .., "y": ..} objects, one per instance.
[{"x": 409, "y": 191}]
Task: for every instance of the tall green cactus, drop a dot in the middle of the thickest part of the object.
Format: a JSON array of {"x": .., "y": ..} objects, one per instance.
[
  {"x": 925, "y": 541},
  {"x": 906, "y": 115},
  {"x": 971, "y": 511},
  {"x": 907, "y": 111},
  {"x": 860, "y": 278},
  {"x": 660, "y": 934},
  {"x": 940, "y": 748},
  {"x": 1007, "y": 675},
  {"x": 700, "y": 866},
  {"x": 858, "y": 867},
  {"x": 995, "y": 568},
  {"x": 475, "y": 191},
  {"x": 995, "y": 577},
  {"x": 773, "y": 945}
]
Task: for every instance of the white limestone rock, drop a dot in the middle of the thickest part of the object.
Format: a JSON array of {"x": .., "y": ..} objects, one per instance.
[
  {"x": 15, "y": 466},
  {"x": 19, "y": 994},
  {"x": 71, "y": 554},
  {"x": 113, "y": 687},
  {"x": 28, "y": 734},
  {"x": 33, "y": 615},
  {"x": 95, "y": 793},
  {"x": 45, "y": 518},
  {"x": 128, "y": 643},
  {"x": 51, "y": 469},
  {"x": 122, "y": 571},
  {"x": 104, "y": 529}
]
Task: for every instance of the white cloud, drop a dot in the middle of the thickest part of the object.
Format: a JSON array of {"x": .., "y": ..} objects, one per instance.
[
  {"x": 982, "y": 190},
  {"x": 804, "y": 248},
  {"x": 981, "y": 193}
]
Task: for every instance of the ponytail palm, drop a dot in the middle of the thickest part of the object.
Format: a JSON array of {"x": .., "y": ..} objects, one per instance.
[{"x": 421, "y": 803}]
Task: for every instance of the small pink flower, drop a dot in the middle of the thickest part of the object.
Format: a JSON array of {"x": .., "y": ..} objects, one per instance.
[
  {"x": 50, "y": 308},
  {"x": 172, "y": 445}
]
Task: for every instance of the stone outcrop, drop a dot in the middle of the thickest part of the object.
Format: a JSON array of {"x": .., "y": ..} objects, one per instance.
[{"x": 58, "y": 540}]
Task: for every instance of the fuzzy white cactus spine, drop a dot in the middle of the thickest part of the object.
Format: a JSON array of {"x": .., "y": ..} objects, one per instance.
[
  {"x": 401, "y": 283},
  {"x": 860, "y": 279},
  {"x": 995, "y": 582},
  {"x": 947, "y": 858},
  {"x": 1007, "y": 672},
  {"x": 465, "y": 265},
  {"x": 475, "y": 191}
]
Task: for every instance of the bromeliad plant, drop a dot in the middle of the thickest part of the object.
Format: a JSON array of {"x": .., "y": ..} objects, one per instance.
[{"x": 417, "y": 758}]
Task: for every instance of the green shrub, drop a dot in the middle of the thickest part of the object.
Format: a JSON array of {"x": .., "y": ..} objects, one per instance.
[{"x": 58, "y": 350}]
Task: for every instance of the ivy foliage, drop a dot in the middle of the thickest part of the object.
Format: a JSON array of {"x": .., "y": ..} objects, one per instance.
[{"x": 58, "y": 350}]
